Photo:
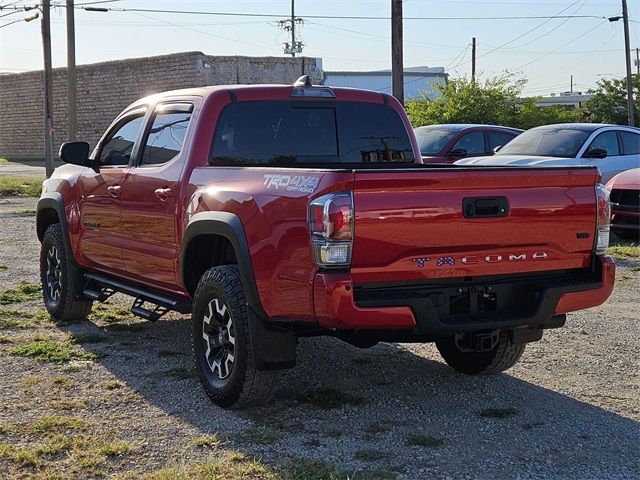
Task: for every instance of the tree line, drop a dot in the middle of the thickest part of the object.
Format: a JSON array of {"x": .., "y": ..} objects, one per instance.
[{"x": 498, "y": 101}]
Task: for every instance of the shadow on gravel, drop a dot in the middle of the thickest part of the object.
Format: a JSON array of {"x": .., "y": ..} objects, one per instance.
[{"x": 388, "y": 408}]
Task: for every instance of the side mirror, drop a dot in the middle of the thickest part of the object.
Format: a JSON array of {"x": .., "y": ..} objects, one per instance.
[
  {"x": 458, "y": 152},
  {"x": 497, "y": 148},
  {"x": 595, "y": 153},
  {"x": 76, "y": 153}
]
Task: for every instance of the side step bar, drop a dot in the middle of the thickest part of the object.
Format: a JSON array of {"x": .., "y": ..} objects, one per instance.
[{"x": 100, "y": 287}]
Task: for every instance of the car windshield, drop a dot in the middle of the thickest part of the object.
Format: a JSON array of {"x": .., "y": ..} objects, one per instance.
[
  {"x": 547, "y": 142},
  {"x": 432, "y": 140}
]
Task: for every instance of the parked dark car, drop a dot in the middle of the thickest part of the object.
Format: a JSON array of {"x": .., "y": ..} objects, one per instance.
[
  {"x": 450, "y": 142},
  {"x": 625, "y": 204}
]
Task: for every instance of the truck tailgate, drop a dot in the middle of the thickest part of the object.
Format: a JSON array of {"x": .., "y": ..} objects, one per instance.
[{"x": 420, "y": 224}]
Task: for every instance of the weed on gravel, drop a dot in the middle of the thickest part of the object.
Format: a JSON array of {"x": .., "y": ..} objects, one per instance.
[
  {"x": 498, "y": 412},
  {"x": 51, "y": 351},
  {"x": 371, "y": 455},
  {"x": 24, "y": 292},
  {"x": 422, "y": 440},
  {"x": 20, "y": 186},
  {"x": 329, "y": 398},
  {"x": 207, "y": 441},
  {"x": 80, "y": 338}
]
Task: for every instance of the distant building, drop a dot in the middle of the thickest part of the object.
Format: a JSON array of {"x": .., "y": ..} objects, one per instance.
[
  {"x": 568, "y": 99},
  {"x": 417, "y": 80}
]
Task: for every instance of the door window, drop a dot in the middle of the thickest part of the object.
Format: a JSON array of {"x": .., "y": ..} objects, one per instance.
[
  {"x": 499, "y": 139},
  {"x": 165, "y": 138},
  {"x": 630, "y": 143},
  {"x": 606, "y": 141},
  {"x": 472, "y": 142},
  {"x": 117, "y": 148}
]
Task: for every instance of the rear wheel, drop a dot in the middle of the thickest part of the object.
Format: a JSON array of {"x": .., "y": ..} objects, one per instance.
[
  {"x": 62, "y": 297},
  {"x": 503, "y": 356},
  {"x": 221, "y": 344}
]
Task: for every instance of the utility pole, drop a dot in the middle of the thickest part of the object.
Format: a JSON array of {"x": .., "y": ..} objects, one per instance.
[
  {"x": 571, "y": 87},
  {"x": 473, "y": 59},
  {"x": 48, "y": 87},
  {"x": 71, "y": 73},
  {"x": 638, "y": 61},
  {"x": 290, "y": 26},
  {"x": 627, "y": 57},
  {"x": 397, "y": 66}
]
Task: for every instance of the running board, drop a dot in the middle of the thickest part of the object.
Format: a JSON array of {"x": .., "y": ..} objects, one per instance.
[{"x": 100, "y": 287}]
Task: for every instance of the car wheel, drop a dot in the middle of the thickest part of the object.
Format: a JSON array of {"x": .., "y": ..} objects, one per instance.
[
  {"x": 63, "y": 299},
  {"x": 502, "y": 357},
  {"x": 221, "y": 345}
]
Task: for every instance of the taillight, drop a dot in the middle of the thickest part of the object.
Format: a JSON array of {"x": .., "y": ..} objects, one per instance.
[
  {"x": 331, "y": 226},
  {"x": 603, "y": 218}
]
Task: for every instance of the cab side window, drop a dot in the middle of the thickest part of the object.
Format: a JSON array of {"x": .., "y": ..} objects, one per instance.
[
  {"x": 630, "y": 143},
  {"x": 165, "y": 138},
  {"x": 499, "y": 139},
  {"x": 471, "y": 142},
  {"x": 606, "y": 141},
  {"x": 117, "y": 148}
]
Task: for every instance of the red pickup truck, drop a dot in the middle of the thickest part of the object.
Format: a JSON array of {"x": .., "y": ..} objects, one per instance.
[{"x": 275, "y": 212}]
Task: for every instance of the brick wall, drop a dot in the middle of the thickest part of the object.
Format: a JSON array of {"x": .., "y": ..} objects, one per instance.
[{"x": 104, "y": 89}]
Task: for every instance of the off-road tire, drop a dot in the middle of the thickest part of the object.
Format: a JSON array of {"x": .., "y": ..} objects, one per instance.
[
  {"x": 244, "y": 386},
  {"x": 68, "y": 304},
  {"x": 503, "y": 356}
]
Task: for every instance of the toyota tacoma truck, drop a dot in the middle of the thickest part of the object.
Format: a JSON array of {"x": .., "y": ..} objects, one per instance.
[{"x": 271, "y": 213}]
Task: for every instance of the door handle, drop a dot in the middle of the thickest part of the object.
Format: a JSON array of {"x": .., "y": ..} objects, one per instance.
[
  {"x": 163, "y": 193},
  {"x": 114, "y": 190}
]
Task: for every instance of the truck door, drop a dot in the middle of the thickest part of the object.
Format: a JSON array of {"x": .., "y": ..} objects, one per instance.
[
  {"x": 100, "y": 203},
  {"x": 150, "y": 198}
]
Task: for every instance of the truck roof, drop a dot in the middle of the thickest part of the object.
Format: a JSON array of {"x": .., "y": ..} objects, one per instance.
[{"x": 341, "y": 93}]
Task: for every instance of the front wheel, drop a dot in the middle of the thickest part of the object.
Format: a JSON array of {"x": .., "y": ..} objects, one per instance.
[
  {"x": 503, "y": 356},
  {"x": 62, "y": 297},
  {"x": 221, "y": 345}
]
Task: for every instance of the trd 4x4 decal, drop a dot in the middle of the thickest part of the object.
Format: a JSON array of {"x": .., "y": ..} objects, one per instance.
[{"x": 291, "y": 183}]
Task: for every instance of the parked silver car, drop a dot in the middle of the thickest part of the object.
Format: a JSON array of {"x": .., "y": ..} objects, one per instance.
[{"x": 612, "y": 148}]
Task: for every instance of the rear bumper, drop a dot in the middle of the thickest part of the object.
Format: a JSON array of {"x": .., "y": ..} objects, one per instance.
[{"x": 457, "y": 306}]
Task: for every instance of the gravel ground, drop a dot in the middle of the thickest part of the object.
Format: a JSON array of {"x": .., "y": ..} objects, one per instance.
[{"x": 569, "y": 409}]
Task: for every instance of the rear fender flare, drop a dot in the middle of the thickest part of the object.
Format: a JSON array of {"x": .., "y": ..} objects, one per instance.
[
  {"x": 229, "y": 226},
  {"x": 53, "y": 201}
]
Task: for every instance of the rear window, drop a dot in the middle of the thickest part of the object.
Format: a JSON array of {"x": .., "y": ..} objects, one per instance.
[{"x": 306, "y": 133}]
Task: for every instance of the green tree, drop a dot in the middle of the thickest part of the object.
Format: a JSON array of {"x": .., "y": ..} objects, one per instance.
[
  {"x": 495, "y": 100},
  {"x": 609, "y": 102}
]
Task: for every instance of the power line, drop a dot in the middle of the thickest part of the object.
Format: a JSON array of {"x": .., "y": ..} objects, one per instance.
[{"x": 345, "y": 17}]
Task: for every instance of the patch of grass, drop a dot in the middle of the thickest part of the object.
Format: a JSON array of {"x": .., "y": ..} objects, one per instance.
[
  {"x": 227, "y": 466},
  {"x": 62, "y": 381},
  {"x": 3, "y": 266},
  {"x": 376, "y": 428},
  {"x": 182, "y": 373},
  {"x": 51, "y": 351},
  {"x": 20, "y": 186},
  {"x": 24, "y": 292},
  {"x": 422, "y": 440},
  {"x": 21, "y": 456},
  {"x": 628, "y": 250},
  {"x": 328, "y": 398},
  {"x": 54, "y": 445},
  {"x": 498, "y": 412},
  {"x": 68, "y": 403},
  {"x": 55, "y": 424},
  {"x": 112, "y": 384},
  {"x": 80, "y": 338},
  {"x": 126, "y": 327},
  {"x": 370, "y": 455},
  {"x": 3, "y": 160},
  {"x": 206, "y": 441},
  {"x": 109, "y": 314},
  {"x": 118, "y": 448},
  {"x": 5, "y": 339},
  {"x": 260, "y": 435},
  {"x": 3, "y": 429}
]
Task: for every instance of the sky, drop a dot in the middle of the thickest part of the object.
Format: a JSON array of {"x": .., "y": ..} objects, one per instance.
[{"x": 544, "y": 51}]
